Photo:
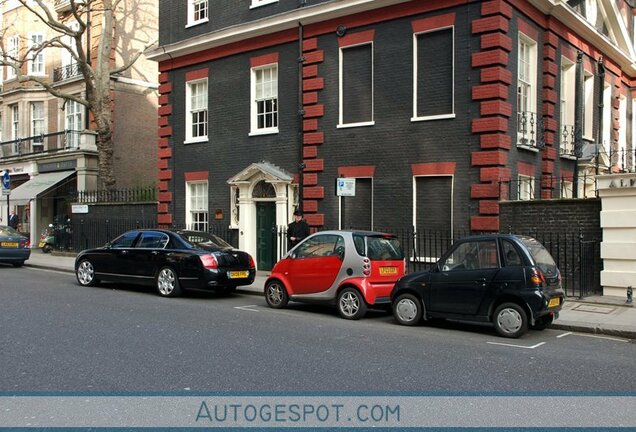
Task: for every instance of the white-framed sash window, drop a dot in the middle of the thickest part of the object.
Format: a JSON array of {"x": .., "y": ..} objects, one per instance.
[
  {"x": 73, "y": 123},
  {"x": 197, "y": 205},
  {"x": 13, "y": 45},
  {"x": 36, "y": 60},
  {"x": 526, "y": 188},
  {"x": 197, "y": 111},
  {"x": 566, "y": 128},
  {"x": 526, "y": 92},
  {"x": 264, "y": 90},
  {"x": 37, "y": 121},
  {"x": 198, "y": 12},
  {"x": 588, "y": 107},
  {"x": 258, "y": 3}
]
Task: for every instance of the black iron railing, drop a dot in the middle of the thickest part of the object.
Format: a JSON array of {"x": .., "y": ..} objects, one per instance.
[
  {"x": 51, "y": 142},
  {"x": 124, "y": 195},
  {"x": 567, "y": 140},
  {"x": 66, "y": 72},
  {"x": 528, "y": 129}
]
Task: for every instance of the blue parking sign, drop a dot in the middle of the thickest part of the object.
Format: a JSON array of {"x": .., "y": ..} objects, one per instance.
[{"x": 6, "y": 183}]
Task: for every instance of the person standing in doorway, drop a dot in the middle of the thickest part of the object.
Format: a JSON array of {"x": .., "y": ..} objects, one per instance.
[
  {"x": 13, "y": 220},
  {"x": 297, "y": 230}
]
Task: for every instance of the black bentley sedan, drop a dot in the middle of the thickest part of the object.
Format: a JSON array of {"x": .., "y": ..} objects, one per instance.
[
  {"x": 510, "y": 281},
  {"x": 170, "y": 260}
]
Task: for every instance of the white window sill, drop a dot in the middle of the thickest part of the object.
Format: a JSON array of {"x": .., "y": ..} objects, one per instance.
[
  {"x": 196, "y": 140},
  {"x": 262, "y": 3},
  {"x": 529, "y": 148},
  {"x": 568, "y": 156},
  {"x": 259, "y": 132},
  {"x": 352, "y": 125},
  {"x": 196, "y": 23},
  {"x": 435, "y": 117}
]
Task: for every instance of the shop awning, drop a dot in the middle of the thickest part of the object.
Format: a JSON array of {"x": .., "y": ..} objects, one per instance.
[{"x": 37, "y": 186}]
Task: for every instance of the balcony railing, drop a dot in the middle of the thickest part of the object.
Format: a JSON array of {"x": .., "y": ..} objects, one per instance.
[
  {"x": 528, "y": 126},
  {"x": 66, "y": 72},
  {"x": 567, "y": 140},
  {"x": 40, "y": 143}
]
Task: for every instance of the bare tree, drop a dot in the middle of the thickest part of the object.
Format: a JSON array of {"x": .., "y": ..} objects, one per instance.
[{"x": 93, "y": 54}]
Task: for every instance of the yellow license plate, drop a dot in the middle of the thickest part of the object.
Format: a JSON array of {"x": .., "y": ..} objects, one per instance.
[
  {"x": 9, "y": 244},
  {"x": 555, "y": 301},
  {"x": 239, "y": 274},
  {"x": 41, "y": 244},
  {"x": 387, "y": 271}
]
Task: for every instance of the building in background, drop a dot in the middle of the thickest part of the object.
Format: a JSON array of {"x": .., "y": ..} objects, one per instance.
[
  {"x": 46, "y": 143},
  {"x": 438, "y": 109}
]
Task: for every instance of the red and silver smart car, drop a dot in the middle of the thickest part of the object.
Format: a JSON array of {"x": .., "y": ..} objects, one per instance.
[{"x": 353, "y": 269}]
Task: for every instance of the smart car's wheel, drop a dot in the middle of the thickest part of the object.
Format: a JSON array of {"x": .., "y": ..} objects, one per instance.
[
  {"x": 276, "y": 295},
  {"x": 510, "y": 320},
  {"x": 543, "y": 322},
  {"x": 86, "y": 273},
  {"x": 168, "y": 283},
  {"x": 351, "y": 305},
  {"x": 407, "y": 309}
]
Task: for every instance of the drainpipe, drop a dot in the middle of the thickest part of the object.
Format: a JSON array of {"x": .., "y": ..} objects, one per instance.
[
  {"x": 578, "y": 121},
  {"x": 88, "y": 55},
  {"x": 600, "y": 68},
  {"x": 301, "y": 114}
]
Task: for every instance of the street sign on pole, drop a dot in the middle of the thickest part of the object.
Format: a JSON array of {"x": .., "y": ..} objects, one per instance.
[{"x": 6, "y": 183}]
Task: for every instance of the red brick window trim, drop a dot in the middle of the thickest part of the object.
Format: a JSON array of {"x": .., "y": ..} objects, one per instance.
[
  {"x": 196, "y": 75},
  {"x": 528, "y": 29},
  {"x": 434, "y": 169},
  {"x": 356, "y": 38},
  {"x": 356, "y": 171},
  {"x": 196, "y": 176},
  {"x": 433, "y": 23},
  {"x": 526, "y": 169},
  {"x": 264, "y": 60}
]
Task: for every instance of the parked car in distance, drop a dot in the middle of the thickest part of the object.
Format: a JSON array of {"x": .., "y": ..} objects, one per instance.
[
  {"x": 170, "y": 260},
  {"x": 14, "y": 247},
  {"x": 510, "y": 281},
  {"x": 353, "y": 269}
]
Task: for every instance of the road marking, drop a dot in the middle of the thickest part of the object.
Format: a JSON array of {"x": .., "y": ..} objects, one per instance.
[
  {"x": 247, "y": 308},
  {"x": 564, "y": 335},
  {"x": 517, "y": 346}
]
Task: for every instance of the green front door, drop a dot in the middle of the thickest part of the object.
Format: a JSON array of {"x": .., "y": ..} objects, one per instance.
[{"x": 265, "y": 223}]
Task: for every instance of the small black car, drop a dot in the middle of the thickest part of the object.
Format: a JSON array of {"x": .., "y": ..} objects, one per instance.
[
  {"x": 508, "y": 280},
  {"x": 170, "y": 260}
]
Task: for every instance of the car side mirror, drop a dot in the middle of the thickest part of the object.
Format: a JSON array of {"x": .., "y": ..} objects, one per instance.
[{"x": 108, "y": 245}]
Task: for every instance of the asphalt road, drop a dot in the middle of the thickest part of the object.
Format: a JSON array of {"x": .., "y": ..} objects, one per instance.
[{"x": 58, "y": 336}]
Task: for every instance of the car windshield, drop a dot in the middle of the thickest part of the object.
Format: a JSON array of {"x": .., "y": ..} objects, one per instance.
[
  {"x": 540, "y": 255},
  {"x": 6, "y": 231},
  {"x": 203, "y": 240},
  {"x": 384, "y": 248}
]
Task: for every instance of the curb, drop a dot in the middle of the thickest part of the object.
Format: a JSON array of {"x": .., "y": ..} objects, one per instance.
[{"x": 625, "y": 334}]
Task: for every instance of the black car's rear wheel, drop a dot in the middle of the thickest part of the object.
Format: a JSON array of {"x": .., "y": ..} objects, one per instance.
[
  {"x": 351, "y": 304},
  {"x": 168, "y": 283},
  {"x": 276, "y": 295},
  {"x": 86, "y": 273},
  {"x": 510, "y": 320},
  {"x": 407, "y": 309},
  {"x": 18, "y": 264},
  {"x": 543, "y": 322}
]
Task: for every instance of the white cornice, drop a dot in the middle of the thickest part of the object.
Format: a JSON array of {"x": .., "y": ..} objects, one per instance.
[
  {"x": 269, "y": 25},
  {"x": 624, "y": 57}
]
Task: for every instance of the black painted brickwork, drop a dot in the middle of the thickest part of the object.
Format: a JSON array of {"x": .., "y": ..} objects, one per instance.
[{"x": 223, "y": 13}]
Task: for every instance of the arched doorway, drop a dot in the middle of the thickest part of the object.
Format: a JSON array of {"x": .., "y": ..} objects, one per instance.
[{"x": 264, "y": 196}]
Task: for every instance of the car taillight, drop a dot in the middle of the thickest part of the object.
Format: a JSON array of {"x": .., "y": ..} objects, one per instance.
[
  {"x": 252, "y": 263},
  {"x": 209, "y": 261},
  {"x": 366, "y": 267},
  {"x": 538, "y": 278}
]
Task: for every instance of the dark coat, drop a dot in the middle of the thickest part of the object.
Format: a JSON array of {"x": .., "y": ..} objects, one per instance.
[
  {"x": 13, "y": 221},
  {"x": 300, "y": 230}
]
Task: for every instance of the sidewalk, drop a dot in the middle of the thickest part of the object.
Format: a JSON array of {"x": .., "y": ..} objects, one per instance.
[{"x": 598, "y": 314}]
